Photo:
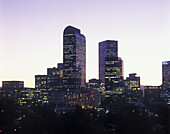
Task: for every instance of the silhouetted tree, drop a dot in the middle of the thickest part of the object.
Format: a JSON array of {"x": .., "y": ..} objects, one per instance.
[{"x": 8, "y": 113}]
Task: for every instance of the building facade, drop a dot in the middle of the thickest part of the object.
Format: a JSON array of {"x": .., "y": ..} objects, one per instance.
[
  {"x": 114, "y": 84},
  {"x": 132, "y": 88},
  {"x": 85, "y": 98},
  {"x": 108, "y": 48},
  {"x": 55, "y": 78},
  {"x": 165, "y": 73},
  {"x": 11, "y": 90},
  {"x": 28, "y": 97},
  {"x": 152, "y": 94},
  {"x": 50, "y": 86},
  {"x": 97, "y": 86},
  {"x": 41, "y": 86},
  {"x": 16, "y": 91},
  {"x": 74, "y": 59},
  {"x": 132, "y": 82}
]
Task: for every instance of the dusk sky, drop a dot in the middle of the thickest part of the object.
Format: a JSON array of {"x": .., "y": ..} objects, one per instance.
[{"x": 31, "y": 35}]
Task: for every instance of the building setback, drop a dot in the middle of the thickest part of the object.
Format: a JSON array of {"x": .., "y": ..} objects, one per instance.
[
  {"x": 50, "y": 85},
  {"x": 108, "y": 48}
]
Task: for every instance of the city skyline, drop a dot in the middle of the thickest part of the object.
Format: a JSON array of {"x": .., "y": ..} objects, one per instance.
[{"x": 31, "y": 36}]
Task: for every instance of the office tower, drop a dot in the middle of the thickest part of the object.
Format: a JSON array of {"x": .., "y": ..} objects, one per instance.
[
  {"x": 97, "y": 85},
  {"x": 50, "y": 86},
  {"x": 132, "y": 87},
  {"x": 94, "y": 84},
  {"x": 28, "y": 97},
  {"x": 165, "y": 93},
  {"x": 41, "y": 86},
  {"x": 152, "y": 94},
  {"x": 55, "y": 77},
  {"x": 11, "y": 89},
  {"x": 114, "y": 84},
  {"x": 74, "y": 59},
  {"x": 132, "y": 82},
  {"x": 168, "y": 94},
  {"x": 16, "y": 91},
  {"x": 114, "y": 75},
  {"x": 165, "y": 73},
  {"x": 55, "y": 84},
  {"x": 108, "y": 48}
]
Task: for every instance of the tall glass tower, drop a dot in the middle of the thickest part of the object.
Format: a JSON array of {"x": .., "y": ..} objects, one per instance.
[
  {"x": 107, "y": 49},
  {"x": 165, "y": 73},
  {"x": 74, "y": 59}
]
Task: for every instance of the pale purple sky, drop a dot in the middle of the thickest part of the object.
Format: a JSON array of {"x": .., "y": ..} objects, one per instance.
[{"x": 31, "y": 35}]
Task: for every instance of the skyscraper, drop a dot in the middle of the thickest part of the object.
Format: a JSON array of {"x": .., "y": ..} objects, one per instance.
[
  {"x": 165, "y": 73},
  {"x": 132, "y": 88},
  {"x": 108, "y": 49},
  {"x": 50, "y": 85},
  {"x": 114, "y": 75},
  {"x": 132, "y": 82},
  {"x": 74, "y": 59},
  {"x": 41, "y": 86}
]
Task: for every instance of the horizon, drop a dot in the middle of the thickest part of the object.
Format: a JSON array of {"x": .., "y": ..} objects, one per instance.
[{"x": 31, "y": 36}]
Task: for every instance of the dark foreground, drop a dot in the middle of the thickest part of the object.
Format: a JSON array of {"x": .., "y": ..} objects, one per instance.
[{"x": 43, "y": 120}]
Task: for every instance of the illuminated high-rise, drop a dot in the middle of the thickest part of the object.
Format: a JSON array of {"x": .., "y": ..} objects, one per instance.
[
  {"x": 11, "y": 89},
  {"x": 107, "y": 49},
  {"x": 132, "y": 82},
  {"x": 114, "y": 85},
  {"x": 50, "y": 86},
  {"x": 132, "y": 88},
  {"x": 165, "y": 73},
  {"x": 165, "y": 94},
  {"x": 74, "y": 59}
]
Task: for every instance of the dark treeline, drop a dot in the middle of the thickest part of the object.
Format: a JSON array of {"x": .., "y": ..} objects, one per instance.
[{"x": 43, "y": 120}]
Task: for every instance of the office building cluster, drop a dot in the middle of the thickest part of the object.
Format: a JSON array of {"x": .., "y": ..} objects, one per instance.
[{"x": 65, "y": 86}]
